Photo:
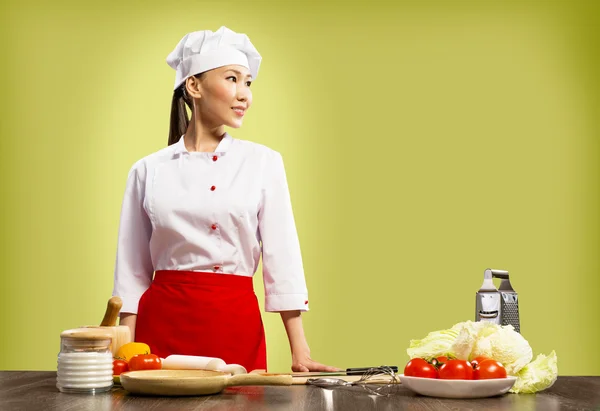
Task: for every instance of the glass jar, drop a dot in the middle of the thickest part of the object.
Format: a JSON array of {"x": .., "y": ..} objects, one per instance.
[{"x": 85, "y": 361}]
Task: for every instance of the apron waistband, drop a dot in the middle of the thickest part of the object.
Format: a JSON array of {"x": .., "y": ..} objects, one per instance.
[{"x": 203, "y": 278}]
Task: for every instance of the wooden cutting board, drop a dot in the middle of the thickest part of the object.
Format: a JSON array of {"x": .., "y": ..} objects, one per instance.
[
  {"x": 301, "y": 378},
  {"x": 382, "y": 379}
]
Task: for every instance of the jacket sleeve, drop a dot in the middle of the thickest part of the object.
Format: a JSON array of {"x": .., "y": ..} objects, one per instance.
[
  {"x": 283, "y": 273},
  {"x": 133, "y": 267}
]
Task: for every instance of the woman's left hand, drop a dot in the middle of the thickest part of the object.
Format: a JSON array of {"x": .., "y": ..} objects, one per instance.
[{"x": 303, "y": 363}]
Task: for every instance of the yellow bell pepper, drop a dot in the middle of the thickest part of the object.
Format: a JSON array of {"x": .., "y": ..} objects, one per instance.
[{"x": 130, "y": 349}]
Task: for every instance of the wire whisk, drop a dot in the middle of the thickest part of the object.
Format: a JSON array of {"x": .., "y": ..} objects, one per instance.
[{"x": 382, "y": 381}]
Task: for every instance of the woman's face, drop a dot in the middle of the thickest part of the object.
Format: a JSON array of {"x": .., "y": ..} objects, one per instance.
[{"x": 225, "y": 96}]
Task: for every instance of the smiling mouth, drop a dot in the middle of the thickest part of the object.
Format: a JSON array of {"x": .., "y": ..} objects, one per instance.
[{"x": 239, "y": 111}]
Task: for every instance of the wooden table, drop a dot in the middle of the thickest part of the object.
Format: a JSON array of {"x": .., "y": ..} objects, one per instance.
[{"x": 36, "y": 390}]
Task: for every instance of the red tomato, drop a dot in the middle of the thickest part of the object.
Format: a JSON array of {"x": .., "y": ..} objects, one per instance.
[
  {"x": 439, "y": 361},
  {"x": 478, "y": 360},
  {"x": 145, "y": 362},
  {"x": 418, "y": 367},
  {"x": 120, "y": 366},
  {"x": 456, "y": 370},
  {"x": 489, "y": 369}
]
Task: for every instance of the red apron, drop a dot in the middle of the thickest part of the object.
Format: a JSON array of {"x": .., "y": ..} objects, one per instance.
[{"x": 206, "y": 314}]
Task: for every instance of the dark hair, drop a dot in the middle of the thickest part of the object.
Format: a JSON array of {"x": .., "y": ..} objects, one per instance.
[{"x": 179, "y": 117}]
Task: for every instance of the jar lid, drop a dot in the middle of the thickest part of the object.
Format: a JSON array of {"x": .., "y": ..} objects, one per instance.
[{"x": 93, "y": 334}]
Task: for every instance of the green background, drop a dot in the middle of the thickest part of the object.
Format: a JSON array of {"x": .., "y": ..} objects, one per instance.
[{"x": 423, "y": 141}]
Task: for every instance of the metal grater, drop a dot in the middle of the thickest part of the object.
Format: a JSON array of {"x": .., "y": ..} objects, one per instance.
[{"x": 497, "y": 305}]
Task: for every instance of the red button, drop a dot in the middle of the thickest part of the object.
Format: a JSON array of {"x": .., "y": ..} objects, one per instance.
[
  {"x": 216, "y": 267},
  {"x": 306, "y": 302},
  {"x": 215, "y": 158},
  {"x": 214, "y": 226},
  {"x": 213, "y": 188}
]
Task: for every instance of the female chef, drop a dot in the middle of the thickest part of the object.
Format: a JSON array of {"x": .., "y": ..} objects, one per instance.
[{"x": 199, "y": 213}]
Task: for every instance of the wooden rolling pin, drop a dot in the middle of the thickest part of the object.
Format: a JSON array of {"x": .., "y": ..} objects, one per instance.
[{"x": 121, "y": 334}]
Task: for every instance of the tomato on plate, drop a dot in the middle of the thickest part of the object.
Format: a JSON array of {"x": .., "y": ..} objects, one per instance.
[
  {"x": 418, "y": 367},
  {"x": 478, "y": 360},
  {"x": 489, "y": 369},
  {"x": 145, "y": 362},
  {"x": 120, "y": 366},
  {"x": 456, "y": 370},
  {"x": 439, "y": 361}
]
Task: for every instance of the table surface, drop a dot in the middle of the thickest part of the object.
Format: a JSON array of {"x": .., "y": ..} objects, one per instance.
[{"x": 36, "y": 390}]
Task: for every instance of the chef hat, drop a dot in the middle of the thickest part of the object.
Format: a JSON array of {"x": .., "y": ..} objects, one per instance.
[{"x": 201, "y": 51}]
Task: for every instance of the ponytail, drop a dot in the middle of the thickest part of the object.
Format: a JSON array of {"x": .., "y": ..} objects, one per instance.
[{"x": 179, "y": 117}]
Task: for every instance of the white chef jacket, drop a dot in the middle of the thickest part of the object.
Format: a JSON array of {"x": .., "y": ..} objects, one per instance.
[{"x": 212, "y": 212}]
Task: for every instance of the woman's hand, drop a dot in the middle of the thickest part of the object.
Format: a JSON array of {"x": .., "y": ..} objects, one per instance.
[{"x": 303, "y": 363}]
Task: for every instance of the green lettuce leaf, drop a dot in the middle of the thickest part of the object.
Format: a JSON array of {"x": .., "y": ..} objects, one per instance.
[
  {"x": 538, "y": 375},
  {"x": 502, "y": 343},
  {"x": 435, "y": 344}
]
